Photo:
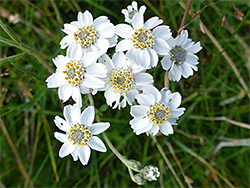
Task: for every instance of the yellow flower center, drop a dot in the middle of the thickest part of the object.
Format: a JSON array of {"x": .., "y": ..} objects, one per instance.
[
  {"x": 85, "y": 36},
  {"x": 121, "y": 79},
  {"x": 143, "y": 38},
  {"x": 74, "y": 73},
  {"x": 159, "y": 113},
  {"x": 79, "y": 134}
]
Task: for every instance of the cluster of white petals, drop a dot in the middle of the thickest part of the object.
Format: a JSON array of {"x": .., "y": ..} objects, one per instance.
[{"x": 87, "y": 68}]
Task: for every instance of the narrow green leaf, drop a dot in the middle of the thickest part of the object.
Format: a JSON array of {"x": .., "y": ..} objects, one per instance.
[
  {"x": 12, "y": 35},
  {"x": 27, "y": 72},
  {"x": 12, "y": 58}
]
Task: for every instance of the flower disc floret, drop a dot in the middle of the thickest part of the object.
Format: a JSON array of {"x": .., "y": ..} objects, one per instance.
[
  {"x": 178, "y": 54},
  {"x": 79, "y": 134},
  {"x": 143, "y": 38},
  {"x": 74, "y": 73},
  {"x": 86, "y": 36},
  {"x": 159, "y": 113},
  {"x": 121, "y": 79}
]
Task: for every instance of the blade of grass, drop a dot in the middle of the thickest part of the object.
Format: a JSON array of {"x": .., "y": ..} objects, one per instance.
[
  {"x": 12, "y": 35},
  {"x": 203, "y": 161},
  {"x": 12, "y": 58},
  {"x": 14, "y": 150},
  {"x": 51, "y": 153}
]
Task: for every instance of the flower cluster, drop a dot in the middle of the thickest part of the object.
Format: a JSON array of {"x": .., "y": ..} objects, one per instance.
[{"x": 87, "y": 68}]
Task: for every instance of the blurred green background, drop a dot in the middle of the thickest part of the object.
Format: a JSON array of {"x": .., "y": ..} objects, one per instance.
[{"x": 216, "y": 99}]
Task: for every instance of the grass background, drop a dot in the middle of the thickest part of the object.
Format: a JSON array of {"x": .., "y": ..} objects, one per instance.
[{"x": 29, "y": 151}]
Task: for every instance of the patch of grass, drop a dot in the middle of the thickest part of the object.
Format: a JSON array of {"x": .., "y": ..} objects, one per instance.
[{"x": 28, "y": 107}]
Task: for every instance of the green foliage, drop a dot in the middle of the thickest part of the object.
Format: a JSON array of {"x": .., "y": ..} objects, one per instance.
[{"x": 28, "y": 107}]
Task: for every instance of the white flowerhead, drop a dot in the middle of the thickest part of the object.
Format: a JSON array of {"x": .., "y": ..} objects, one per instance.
[
  {"x": 75, "y": 75},
  {"x": 124, "y": 78},
  {"x": 180, "y": 60},
  {"x": 156, "y": 111},
  {"x": 144, "y": 40},
  {"x": 80, "y": 133},
  {"x": 86, "y": 34},
  {"x": 151, "y": 173},
  {"x": 131, "y": 11}
]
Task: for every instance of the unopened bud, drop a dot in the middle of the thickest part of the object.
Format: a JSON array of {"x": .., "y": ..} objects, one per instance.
[
  {"x": 151, "y": 173},
  {"x": 223, "y": 21},
  {"x": 135, "y": 165},
  {"x": 138, "y": 178}
]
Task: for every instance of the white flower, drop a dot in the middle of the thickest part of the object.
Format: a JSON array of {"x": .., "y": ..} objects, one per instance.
[
  {"x": 157, "y": 111},
  {"x": 87, "y": 35},
  {"x": 124, "y": 79},
  {"x": 80, "y": 133},
  {"x": 180, "y": 60},
  {"x": 143, "y": 42},
  {"x": 75, "y": 75},
  {"x": 131, "y": 11},
  {"x": 151, "y": 173}
]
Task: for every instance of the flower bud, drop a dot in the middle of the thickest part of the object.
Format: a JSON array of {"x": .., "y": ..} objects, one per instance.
[
  {"x": 135, "y": 165},
  {"x": 151, "y": 173},
  {"x": 138, "y": 178}
]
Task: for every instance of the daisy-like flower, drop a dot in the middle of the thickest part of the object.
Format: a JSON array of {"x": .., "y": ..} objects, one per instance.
[
  {"x": 143, "y": 42},
  {"x": 180, "y": 60},
  {"x": 157, "y": 111},
  {"x": 80, "y": 133},
  {"x": 124, "y": 78},
  {"x": 75, "y": 75},
  {"x": 131, "y": 11},
  {"x": 86, "y": 34}
]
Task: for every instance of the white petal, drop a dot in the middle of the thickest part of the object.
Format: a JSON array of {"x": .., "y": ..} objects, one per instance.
[
  {"x": 87, "y": 116},
  {"x": 74, "y": 52},
  {"x": 166, "y": 62},
  {"x": 100, "y": 20},
  {"x": 62, "y": 124},
  {"x": 60, "y": 61},
  {"x": 175, "y": 73},
  {"x": 64, "y": 92},
  {"x": 143, "y": 79},
  {"x": 84, "y": 154},
  {"x": 154, "y": 130},
  {"x": 162, "y": 31},
  {"x": 75, "y": 154},
  {"x": 150, "y": 89},
  {"x": 68, "y": 115},
  {"x": 76, "y": 95},
  {"x": 166, "y": 95},
  {"x": 153, "y": 57},
  {"x": 186, "y": 70},
  {"x": 102, "y": 45},
  {"x": 131, "y": 96},
  {"x": 104, "y": 59},
  {"x": 69, "y": 29},
  {"x": 131, "y": 55},
  {"x": 195, "y": 48},
  {"x": 105, "y": 30},
  {"x": 90, "y": 58},
  {"x": 76, "y": 23},
  {"x": 93, "y": 82},
  {"x": 176, "y": 100},
  {"x": 110, "y": 96},
  {"x": 97, "y": 144},
  {"x": 137, "y": 21},
  {"x": 66, "y": 149},
  {"x": 97, "y": 69},
  {"x": 124, "y": 45},
  {"x": 119, "y": 59},
  {"x": 113, "y": 41},
  {"x": 67, "y": 40},
  {"x": 124, "y": 30},
  {"x": 145, "y": 99},
  {"x": 97, "y": 128},
  {"x": 167, "y": 128},
  {"x": 85, "y": 18},
  {"x": 143, "y": 58},
  {"x": 61, "y": 137},
  {"x": 177, "y": 112},
  {"x": 139, "y": 111},
  {"x": 192, "y": 59},
  {"x": 152, "y": 22},
  {"x": 55, "y": 80},
  {"x": 139, "y": 123},
  {"x": 161, "y": 46}
]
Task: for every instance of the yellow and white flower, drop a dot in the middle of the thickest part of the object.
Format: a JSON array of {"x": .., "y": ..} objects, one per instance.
[
  {"x": 180, "y": 60},
  {"x": 131, "y": 11},
  {"x": 156, "y": 111},
  {"x": 80, "y": 133}
]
